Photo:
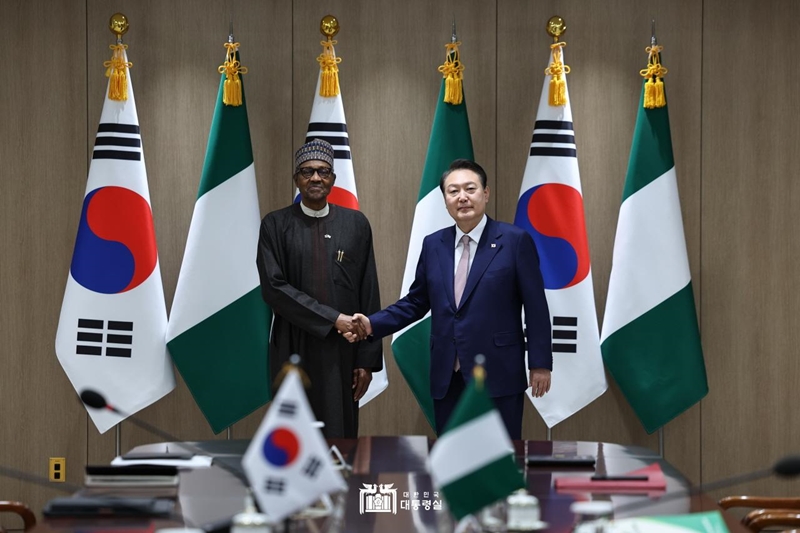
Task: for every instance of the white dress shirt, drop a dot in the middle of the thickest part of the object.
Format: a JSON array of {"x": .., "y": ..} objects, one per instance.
[
  {"x": 313, "y": 213},
  {"x": 474, "y": 238}
]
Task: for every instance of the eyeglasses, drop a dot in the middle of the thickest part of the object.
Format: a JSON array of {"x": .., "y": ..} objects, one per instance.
[{"x": 308, "y": 172}]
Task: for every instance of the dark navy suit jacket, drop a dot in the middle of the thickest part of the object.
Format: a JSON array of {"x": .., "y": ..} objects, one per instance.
[{"x": 504, "y": 278}]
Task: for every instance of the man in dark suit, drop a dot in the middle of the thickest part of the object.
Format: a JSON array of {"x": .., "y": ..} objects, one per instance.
[{"x": 476, "y": 278}]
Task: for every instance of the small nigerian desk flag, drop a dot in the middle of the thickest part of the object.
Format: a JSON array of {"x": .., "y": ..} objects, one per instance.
[
  {"x": 472, "y": 462},
  {"x": 288, "y": 462}
]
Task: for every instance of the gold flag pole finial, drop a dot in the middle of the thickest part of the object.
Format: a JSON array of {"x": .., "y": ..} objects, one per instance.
[
  {"x": 116, "y": 68},
  {"x": 557, "y": 95},
  {"x": 328, "y": 62},
  {"x": 118, "y": 24},
  {"x": 654, "y": 95},
  {"x": 478, "y": 371},
  {"x": 453, "y": 70},
  {"x": 329, "y": 26},
  {"x": 556, "y": 27},
  {"x": 292, "y": 364}
]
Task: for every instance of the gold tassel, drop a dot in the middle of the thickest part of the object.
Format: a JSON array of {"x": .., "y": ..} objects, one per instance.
[
  {"x": 115, "y": 71},
  {"x": 329, "y": 65},
  {"x": 232, "y": 88},
  {"x": 557, "y": 94},
  {"x": 654, "y": 73},
  {"x": 453, "y": 74}
]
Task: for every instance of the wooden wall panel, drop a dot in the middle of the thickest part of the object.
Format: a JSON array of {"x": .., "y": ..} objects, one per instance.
[
  {"x": 605, "y": 50},
  {"x": 750, "y": 251},
  {"x": 42, "y": 150},
  {"x": 390, "y": 52}
]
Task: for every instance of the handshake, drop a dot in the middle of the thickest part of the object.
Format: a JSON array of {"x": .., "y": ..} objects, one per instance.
[{"x": 354, "y": 328}]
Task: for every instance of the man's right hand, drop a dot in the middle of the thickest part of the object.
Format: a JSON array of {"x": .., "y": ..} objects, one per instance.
[
  {"x": 348, "y": 325},
  {"x": 361, "y": 328}
]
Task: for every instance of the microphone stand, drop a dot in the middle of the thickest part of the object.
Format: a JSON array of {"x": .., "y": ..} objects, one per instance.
[
  {"x": 786, "y": 467},
  {"x": 96, "y": 401}
]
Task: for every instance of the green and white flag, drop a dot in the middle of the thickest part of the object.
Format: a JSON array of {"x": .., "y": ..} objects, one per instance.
[
  {"x": 450, "y": 140},
  {"x": 472, "y": 463},
  {"x": 218, "y": 329},
  {"x": 650, "y": 339}
]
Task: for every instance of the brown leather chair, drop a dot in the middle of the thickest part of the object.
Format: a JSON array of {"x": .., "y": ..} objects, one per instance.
[
  {"x": 759, "y": 502},
  {"x": 768, "y": 511},
  {"x": 771, "y": 518},
  {"x": 24, "y": 512}
]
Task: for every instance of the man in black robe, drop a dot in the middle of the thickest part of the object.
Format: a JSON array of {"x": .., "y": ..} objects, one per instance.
[{"x": 317, "y": 268}]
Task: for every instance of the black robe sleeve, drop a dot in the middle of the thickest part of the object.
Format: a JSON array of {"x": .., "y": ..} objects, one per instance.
[{"x": 291, "y": 303}]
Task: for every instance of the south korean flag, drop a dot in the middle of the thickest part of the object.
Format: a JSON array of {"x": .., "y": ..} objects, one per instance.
[{"x": 288, "y": 463}]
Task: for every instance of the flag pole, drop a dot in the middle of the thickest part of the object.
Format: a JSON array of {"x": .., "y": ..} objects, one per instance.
[
  {"x": 118, "y": 25},
  {"x": 555, "y": 28},
  {"x": 228, "y": 432},
  {"x": 654, "y": 42}
]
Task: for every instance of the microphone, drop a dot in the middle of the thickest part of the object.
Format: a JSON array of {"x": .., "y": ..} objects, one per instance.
[{"x": 786, "y": 467}]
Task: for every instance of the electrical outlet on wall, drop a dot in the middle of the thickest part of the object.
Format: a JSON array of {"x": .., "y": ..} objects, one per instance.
[{"x": 58, "y": 469}]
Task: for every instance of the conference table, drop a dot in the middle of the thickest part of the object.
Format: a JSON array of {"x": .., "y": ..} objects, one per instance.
[{"x": 209, "y": 497}]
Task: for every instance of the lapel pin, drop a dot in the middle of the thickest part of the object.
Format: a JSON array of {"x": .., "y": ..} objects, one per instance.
[
  {"x": 327, "y": 236},
  {"x": 494, "y": 245}
]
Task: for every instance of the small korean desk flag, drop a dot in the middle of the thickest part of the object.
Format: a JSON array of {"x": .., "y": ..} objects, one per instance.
[
  {"x": 111, "y": 333},
  {"x": 288, "y": 462}
]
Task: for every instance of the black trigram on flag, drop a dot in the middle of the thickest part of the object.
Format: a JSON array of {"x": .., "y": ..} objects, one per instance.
[
  {"x": 334, "y": 133},
  {"x": 287, "y": 408},
  {"x": 311, "y": 469},
  {"x": 118, "y": 141},
  {"x": 553, "y": 138},
  {"x": 565, "y": 334},
  {"x": 275, "y": 485},
  {"x": 94, "y": 337}
]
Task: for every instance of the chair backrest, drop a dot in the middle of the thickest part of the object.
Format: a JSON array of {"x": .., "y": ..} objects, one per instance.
[
  {"x": 772, "y": 518},
  {"x": 759, "y": 502},
  {"x": 24, "y": 512}
]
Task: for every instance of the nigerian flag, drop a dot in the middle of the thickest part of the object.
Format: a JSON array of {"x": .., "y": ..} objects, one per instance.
[
  {"x": 218, "y": 329},
  {"x": 650, "y": 340},
  {"x": 472, "y": 463},
  {"x": 450, "y": 140}
]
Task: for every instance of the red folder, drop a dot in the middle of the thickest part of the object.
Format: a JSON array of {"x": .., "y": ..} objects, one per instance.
[{"x": 655, "y": 482}]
